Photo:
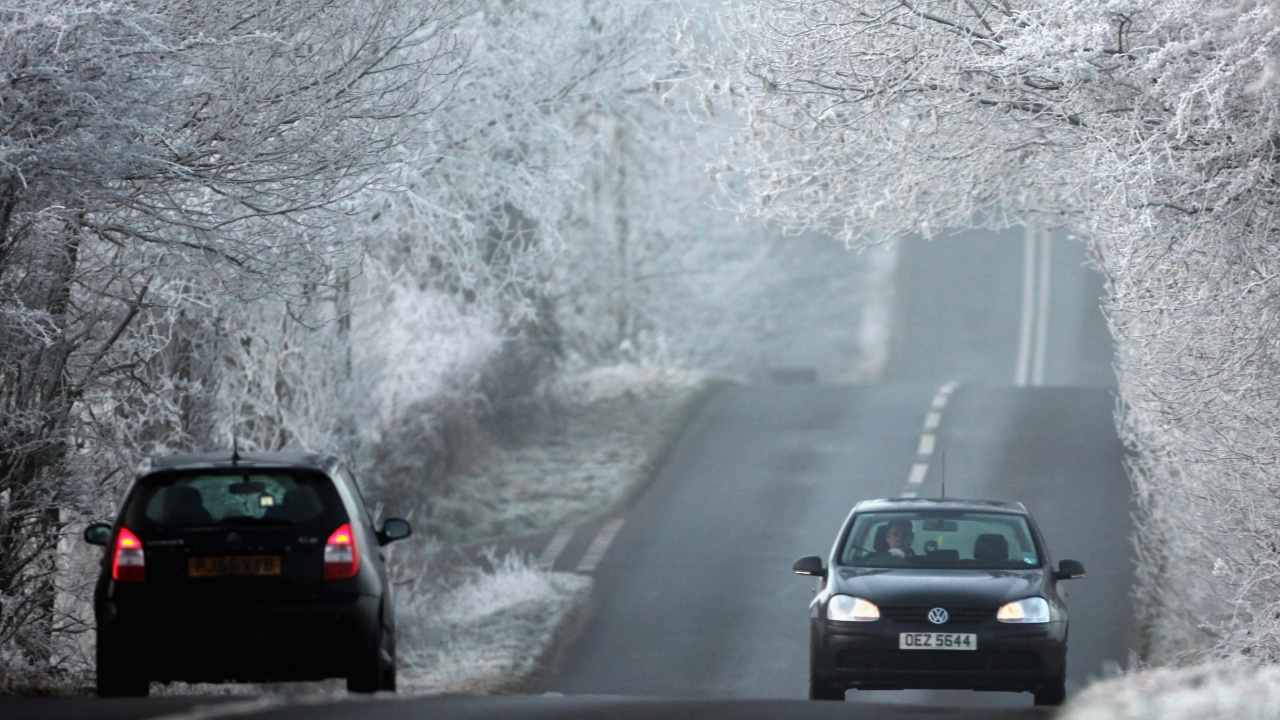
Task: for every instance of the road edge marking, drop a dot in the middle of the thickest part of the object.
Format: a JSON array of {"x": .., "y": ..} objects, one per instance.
[
  {"x": 599, "y": 545},
  {"x": 555, "y": 547}
]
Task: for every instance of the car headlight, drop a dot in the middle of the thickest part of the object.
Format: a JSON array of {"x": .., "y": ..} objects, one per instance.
[
  {"x": 847, "y": 608},
  {"x": 1031, "y": 610}
]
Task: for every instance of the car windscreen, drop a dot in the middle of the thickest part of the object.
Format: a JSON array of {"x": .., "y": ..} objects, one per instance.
[
  {"x": 951, "y": 539},
  {"x": 199, "y": 499}
]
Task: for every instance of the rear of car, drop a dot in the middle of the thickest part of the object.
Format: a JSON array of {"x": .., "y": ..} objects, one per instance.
[
  {"x": 263, "y": 569},
  {"x": 970, "y": 603}
]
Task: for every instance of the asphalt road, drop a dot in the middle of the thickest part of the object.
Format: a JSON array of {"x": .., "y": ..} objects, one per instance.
[
  {"x": 696, "y": 612},
  {"x": 696, "y": 599}
]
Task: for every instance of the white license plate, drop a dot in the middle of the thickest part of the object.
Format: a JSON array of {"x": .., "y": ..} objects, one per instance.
[{"x": 937, "y": 641}]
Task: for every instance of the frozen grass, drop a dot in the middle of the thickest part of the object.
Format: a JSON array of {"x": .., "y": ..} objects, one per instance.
[
  {"x": 465, "y": 629},
  {"x": 1203, "y": 692},
  {"x": 609, "y": 430},
  {"x": 495, "y": 631}
]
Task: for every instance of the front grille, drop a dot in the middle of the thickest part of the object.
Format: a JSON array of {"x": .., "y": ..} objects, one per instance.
[
  {"x": 938, "y": 661},
  {"x": 958, "y": 616}
]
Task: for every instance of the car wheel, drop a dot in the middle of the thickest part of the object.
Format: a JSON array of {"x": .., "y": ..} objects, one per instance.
[
  {"x": 364, "y": 679},
  {"x": 387, "y": 669},
  {"x": 1053, "y": 693},
  {"x": 114, "y": 681},
  {"x": 371, "y": 674},
  {"x": 113, "y": 685},
  {"x": 825, "y": 691}
]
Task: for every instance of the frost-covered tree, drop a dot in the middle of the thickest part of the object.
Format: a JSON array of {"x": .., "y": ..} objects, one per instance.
[
  {"x": 558, "y": 199},
  {"x": 459, "y": 253},
  {"x": 1148, "y": 126},
  {"x": 159, "y": 158}
]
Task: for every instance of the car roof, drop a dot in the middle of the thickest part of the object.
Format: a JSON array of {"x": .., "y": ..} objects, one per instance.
[
  {"x": 249, "y": 460},
  {"x": 904, "y": 504}
]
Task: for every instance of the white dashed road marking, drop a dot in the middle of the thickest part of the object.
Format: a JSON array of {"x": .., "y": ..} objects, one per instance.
[
  {"x": 599, "y": 546},
  {"x": 929, "y": 438},
  {"x": 547, "y": 559},
  {"x": 918, "y": 471},
  {"x": 926, "y": 445}
]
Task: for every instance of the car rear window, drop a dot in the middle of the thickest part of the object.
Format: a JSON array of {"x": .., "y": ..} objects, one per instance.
[
  {"x": 221, "y": 498},
  {"x": 986, "y": 541}
]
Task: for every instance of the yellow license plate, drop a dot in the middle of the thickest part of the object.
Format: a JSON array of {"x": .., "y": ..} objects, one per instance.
[{"x": 223, "y": 565}]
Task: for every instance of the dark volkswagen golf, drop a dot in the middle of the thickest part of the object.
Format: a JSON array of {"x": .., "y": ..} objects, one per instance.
[
  {"x": 938, "y": 594},
  {"x": 253, "y": 567}
]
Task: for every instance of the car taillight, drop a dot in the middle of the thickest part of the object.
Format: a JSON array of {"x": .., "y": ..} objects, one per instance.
[
  {"x": 128, "y": 563},
  {"x": 341, "y": 557}
]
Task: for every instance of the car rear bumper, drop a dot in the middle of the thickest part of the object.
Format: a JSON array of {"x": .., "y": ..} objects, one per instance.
[
  {"x": 1008, "y": 657},
  {"x": 248, "y": 643}
]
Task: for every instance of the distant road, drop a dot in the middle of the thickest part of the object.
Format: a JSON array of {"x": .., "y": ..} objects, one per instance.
[{"x": 999, "y": 309}]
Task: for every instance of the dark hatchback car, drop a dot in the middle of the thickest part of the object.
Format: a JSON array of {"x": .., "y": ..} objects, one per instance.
[
  {"x": 250, "y": 567},
  {"x": 938, "y": 594}
]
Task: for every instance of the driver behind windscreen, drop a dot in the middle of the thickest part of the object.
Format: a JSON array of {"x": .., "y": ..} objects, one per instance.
[{"x": 899, "y": 538}]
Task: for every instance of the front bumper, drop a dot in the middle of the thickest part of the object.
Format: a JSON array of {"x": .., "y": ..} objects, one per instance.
[{"x": 1017, "y": 658}]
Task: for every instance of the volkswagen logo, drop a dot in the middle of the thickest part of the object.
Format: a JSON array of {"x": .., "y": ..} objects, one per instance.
[{"x": 938, "y": 616}]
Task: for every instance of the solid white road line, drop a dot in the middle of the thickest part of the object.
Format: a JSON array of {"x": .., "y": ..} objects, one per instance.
[
  {"x": 1042, "y": 312},
  {"x": 1033, "y": 332},
  {"x": 600, "y": 545},
  {"x": 547, "y": 559}
]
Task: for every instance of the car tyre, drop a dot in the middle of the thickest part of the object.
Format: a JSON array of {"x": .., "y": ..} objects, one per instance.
[
  {"x": 371, "y": 674},
  {"x": 365, "y": 679},
  {"x": 387, "y": 670},
  {"x": 117, "y": 684},
  {"x": 825, "y": 691},
  {"x": 1053, "y": 693},
  {"x": 114, "y": 682}
]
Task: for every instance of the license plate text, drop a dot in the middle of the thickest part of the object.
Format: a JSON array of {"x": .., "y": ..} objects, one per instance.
[{"x": 937, "y": 641}]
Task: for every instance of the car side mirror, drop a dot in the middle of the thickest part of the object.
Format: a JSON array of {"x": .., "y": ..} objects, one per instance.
[
  {"x": 1070, "y": 570},
  {"x": 98, "y": 534},
  {"x": 810, "y": 565},
  {"x": 394, "y": 529}
]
